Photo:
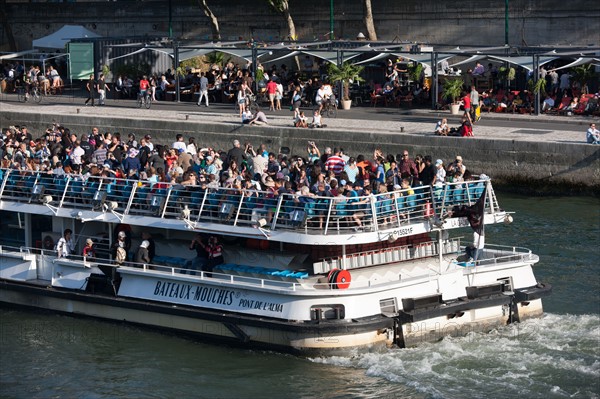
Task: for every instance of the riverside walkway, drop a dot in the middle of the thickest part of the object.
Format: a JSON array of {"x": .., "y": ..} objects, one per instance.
[{"x": 377, "y": 120}]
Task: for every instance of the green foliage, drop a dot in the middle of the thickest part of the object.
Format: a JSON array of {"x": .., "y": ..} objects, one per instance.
[
  {"x": 194, "y": 63},
  {"x": 346, "y": 74},
  {"x": 582, "y": 74},
  {"x": 452, "y": 89},
  {"x": 105, "y": 70},
  {"x": 507, "y": 73},
  {"x": 414, "y": 71},
  {"x": 278, "y": 5},
  {"x": 539, "y": 87},
  {"x": 216, "y": 57}
]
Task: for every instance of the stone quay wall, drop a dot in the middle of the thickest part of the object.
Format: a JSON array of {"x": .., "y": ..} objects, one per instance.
[
  {"x": 531, "y": 22},
  {"x": 524, "y": 166}
]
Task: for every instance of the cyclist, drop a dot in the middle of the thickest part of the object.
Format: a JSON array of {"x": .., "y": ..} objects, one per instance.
[{"x": 144, "y": 85}]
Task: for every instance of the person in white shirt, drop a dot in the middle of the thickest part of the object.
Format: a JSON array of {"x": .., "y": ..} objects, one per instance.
[
  {"x": 316, "y": 122},
  {"x": 441, "y": 128},
  {"x": 65, "y": 246},
  {"x": 179, "y": 144},
  {"x": 593, "y": 134}
]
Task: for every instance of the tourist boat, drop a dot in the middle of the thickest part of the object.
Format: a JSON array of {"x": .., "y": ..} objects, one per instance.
[{"x": 298, "y": 276}]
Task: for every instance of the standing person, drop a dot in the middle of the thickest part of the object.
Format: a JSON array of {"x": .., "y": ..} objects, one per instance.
[
  {"x": 142, "y": 256},
  {"x": 65, "y": 245},
  {"x": 408, "y": 168},
  {"x": 89, "y": 251},
  {"x": 296, "y": 101},
  {"x": 279, "y": 96},
  {"x": 203, "y": 89},
  {"x": 102, "y": 89},
  {"x": 144, "y": 86},
  {"x": 272, "y": 92},
  {"x": 151, "y": 245},
  {"x": 215, "y": 254},
  {"x": 466, "y": 99},
  {"x": 120, "y": 248},
  {"x": 474, "y": 96},
  {"x": 91, "y": 87},
  {"x": 200, "y": 262}
]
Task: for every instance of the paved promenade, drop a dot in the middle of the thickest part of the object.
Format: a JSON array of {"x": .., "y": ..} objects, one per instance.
[{"x": 543, "y": 128}]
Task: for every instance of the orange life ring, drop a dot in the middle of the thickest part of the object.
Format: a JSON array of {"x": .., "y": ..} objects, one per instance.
[{"x": 339, "y": 279}]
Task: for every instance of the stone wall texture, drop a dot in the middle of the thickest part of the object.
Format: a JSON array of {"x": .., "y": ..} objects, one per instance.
[{"x": 531, "y": 22}]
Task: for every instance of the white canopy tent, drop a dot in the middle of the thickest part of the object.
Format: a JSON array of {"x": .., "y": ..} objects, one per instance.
[
  {"x": 64, "y": 35},
  {"x": 581, "y": 61}
]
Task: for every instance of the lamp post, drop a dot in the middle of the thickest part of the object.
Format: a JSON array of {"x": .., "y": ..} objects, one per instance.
[
  {"x": 331, "y": 35},
  {"x": 505, "y": 22}
]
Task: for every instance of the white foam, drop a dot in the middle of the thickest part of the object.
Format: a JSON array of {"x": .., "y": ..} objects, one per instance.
[{"x": 557, "y": 354}]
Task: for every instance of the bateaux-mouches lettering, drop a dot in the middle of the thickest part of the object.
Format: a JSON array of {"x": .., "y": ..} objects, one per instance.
[{"x": 199, "y": 294}]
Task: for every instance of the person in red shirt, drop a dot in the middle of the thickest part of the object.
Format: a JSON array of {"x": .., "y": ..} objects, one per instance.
[
  {"x": 144, "y": 84},
  {"x": 272, "y": 92},
  {"x": 466, "y": 99}
]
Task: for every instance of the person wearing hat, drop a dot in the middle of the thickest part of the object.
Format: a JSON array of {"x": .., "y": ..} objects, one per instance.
[
  {"x": 142, "y": 256},
  {"x": 132, "y": 162},
  {"x": 456, "y": 167},
  {"x": 440, "y": 174},
  {"x": 89, "y": 251},
  {"x": 121, "y": 247}
]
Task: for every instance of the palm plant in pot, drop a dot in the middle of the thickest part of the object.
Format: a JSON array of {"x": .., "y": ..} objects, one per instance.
[
  {"x": 452, "y": 89},
  {"x": 347, "y": 74}
]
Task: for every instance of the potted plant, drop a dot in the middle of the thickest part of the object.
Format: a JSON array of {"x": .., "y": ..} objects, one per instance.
[
  {"x": 452, "y": 89},
  {"x": 347, "y": 74},
  {"x": 581, "y": 75}
]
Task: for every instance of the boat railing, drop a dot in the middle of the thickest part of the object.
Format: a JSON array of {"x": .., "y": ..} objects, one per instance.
[
  {"x": 387, "y": 255},
  {"x": 308, "y": 214}
]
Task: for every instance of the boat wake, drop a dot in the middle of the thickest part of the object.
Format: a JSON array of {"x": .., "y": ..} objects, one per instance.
[{"x": 556, "y": 356}]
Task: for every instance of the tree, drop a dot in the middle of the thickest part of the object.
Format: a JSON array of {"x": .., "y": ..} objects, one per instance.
[
  {"x": 283, "y": 7},
  {"x": 346, "y": 74},
  {"x": 214, "y": 22},
  {"x": 582, "y": 74},
  {"x": 368, "y": 18}
]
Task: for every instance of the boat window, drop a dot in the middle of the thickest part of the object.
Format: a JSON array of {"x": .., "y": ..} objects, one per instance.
[
  {"x": 327, "y": 312},
  {"x": 388, "y": 305},
  {"x": 506, "y": 284}
]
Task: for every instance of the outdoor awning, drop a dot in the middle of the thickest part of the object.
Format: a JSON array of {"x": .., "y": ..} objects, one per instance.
[
  {"x": 64, "y": 35},
  {"x": 580, "y": 61},
  {"x": 525, "y": 61},
  {"x": 424, "y": 58},
  {"x": 16, "y": 55}
]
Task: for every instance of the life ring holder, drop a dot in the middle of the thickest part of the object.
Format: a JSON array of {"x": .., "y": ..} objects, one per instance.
[{"x": 339, "y": 279}]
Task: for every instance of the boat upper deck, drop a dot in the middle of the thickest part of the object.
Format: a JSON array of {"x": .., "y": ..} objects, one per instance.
[{"x": 285, "y": 217}]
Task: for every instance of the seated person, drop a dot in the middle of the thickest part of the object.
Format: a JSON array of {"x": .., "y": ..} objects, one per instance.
[
  {"x": 246, "y": 117},
  {"x": 465, "y": 129},
  {"x": 442, "y": 129},
  {"x": 548, "y": 103},
  {"x": 259, "y": 119},
  {"x": 300, "y": 120},
  {"x": 593, "y": 134},
  {"x": 316, "y": 122}
]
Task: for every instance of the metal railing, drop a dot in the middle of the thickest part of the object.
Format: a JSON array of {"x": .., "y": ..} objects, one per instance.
[{"x": 304, "y": 214}]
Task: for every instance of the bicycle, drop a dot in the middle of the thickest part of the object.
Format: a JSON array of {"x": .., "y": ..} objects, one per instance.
[
  {"x": 251, "y": 104},
  {"x": 145, "y": 99},
  {"x": 329, "y": 108},
  {"x": 36, "y": 94}
]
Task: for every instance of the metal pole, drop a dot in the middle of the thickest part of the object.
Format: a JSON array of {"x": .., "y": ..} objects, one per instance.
[
  {"x": 536, "y": 77},
  {"x": 176, "y": 48},
  {"x": 506, "y": 22},
  {"x": 254, "y": 67},
  {"x": 170, "y": 21},
  {"x": 433, "y": 90},
  {"x": 331, "y": 35}
]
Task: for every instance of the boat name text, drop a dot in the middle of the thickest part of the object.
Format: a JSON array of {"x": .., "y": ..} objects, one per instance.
[{"x": 190, "y": 292}]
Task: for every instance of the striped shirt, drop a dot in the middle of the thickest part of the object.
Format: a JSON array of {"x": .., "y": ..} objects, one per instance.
[{"x": 335, "y": 163}]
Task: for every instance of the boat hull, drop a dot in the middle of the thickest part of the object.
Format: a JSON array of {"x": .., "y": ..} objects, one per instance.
[{"x": 338, "y": 337}]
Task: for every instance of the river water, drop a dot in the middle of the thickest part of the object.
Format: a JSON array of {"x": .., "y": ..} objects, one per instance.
[{"x": 557, "y": 356}]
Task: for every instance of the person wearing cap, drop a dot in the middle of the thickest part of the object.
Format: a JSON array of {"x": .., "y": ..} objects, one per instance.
[
  {"x": 89, "y": 251},
  {"x": 440, "y": 174},
  {"x": 142, "y": 256},
  {"x": 456, "y": 167},
  {"x": 120, "y": 248},
  {"x": 132, "y": 162}
]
